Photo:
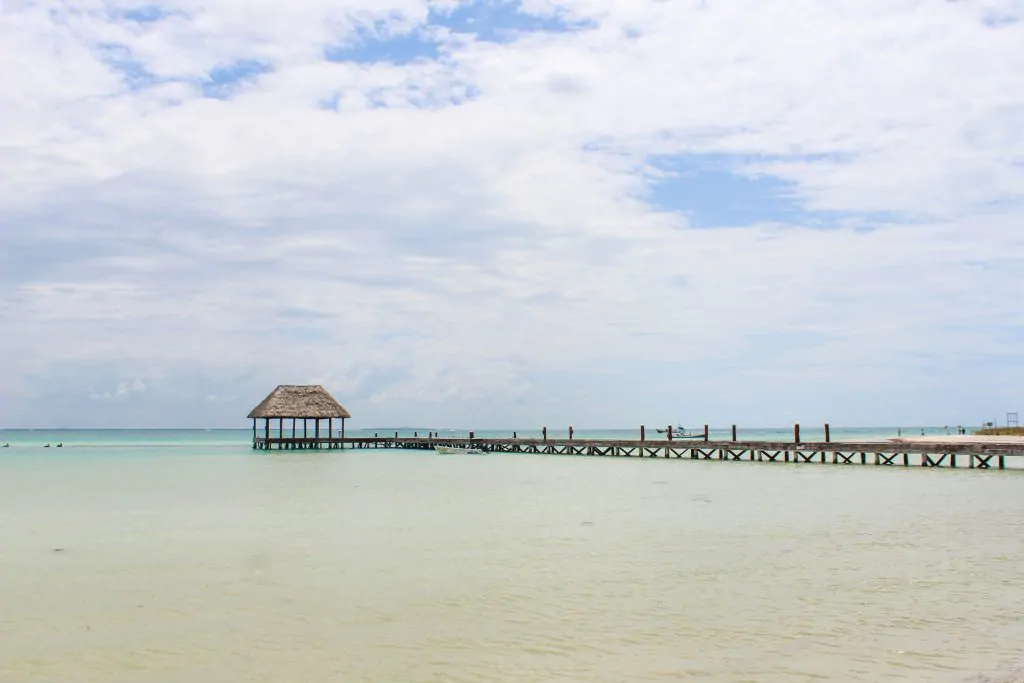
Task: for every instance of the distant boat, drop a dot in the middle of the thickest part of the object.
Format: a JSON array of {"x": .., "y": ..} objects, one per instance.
[
  {"x": 453, "y": 450},
  {"x": 681, "y": 433}
]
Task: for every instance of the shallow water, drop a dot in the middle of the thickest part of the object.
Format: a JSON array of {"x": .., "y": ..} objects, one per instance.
[{"x": 219, "y": 564}]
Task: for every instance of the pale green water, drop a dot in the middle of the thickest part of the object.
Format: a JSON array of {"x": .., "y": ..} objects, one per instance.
[{"x": 194, "y": 558}]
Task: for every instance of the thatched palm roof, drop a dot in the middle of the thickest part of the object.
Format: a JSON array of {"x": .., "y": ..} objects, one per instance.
[{"x": 290, "y": 400}]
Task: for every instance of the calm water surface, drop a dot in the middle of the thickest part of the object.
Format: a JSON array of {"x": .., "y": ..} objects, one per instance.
[{"x": 201, "y": 560}]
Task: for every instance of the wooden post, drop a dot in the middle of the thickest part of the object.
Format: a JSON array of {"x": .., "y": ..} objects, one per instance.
[
  {"x": 280, "y": 428},
  {"x": 316, "y": 432},
  {"x": 796, "y": 433},
  {"x": 305, "y": 429},
  {"x": 643, "y": 436},
  {"x": 669, "y": 432},
  {"x": 544, "y": 433},
  {"x": 342, "y": 429},
  {"x": 254, "y": 433},
  {"x": 570, "y": 432},
  {"x": 734, "y": 433},
  {"x": 828, "y": 434},
  {"x": 514, "y": 435},
  {"x": 266, "y": 427},
  {"x": 705, "y": 433},
  {"x": 293, "y": 428}
]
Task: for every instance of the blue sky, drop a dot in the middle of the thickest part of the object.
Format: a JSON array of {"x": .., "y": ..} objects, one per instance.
[{"x": 507, "y": 214}]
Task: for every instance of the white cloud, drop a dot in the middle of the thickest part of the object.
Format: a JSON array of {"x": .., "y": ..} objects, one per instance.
[
  {"x": 121, "y": 391},
  {"x": 456, "y": 252}
]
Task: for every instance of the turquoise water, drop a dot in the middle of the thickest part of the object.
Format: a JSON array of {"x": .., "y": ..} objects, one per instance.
[
  {"x": 157, "y": 557},
  {"x": 229, "y": 438}
]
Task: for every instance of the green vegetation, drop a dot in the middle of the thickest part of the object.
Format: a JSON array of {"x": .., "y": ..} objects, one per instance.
[{"x": 1001, "y": 431}]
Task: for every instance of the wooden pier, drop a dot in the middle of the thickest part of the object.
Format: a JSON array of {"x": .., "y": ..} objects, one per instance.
[{"x": 952, "y": 454}]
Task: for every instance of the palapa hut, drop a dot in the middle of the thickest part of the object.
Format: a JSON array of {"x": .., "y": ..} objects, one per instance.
[{"x": 297, "y": 402}]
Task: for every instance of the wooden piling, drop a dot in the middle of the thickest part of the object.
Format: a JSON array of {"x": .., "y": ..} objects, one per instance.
[
  {"x": 796, "y": 433},
  {"x": 669, "y": 432},
  {"x": 544, "y": 432},
  {"x": 643, "y": 435},
  {"x": 828, "y": 434},
  {"x": 734, "y": 433},
  {"x": 570, "y": 432},
  {"x": 706, "y": 432}
]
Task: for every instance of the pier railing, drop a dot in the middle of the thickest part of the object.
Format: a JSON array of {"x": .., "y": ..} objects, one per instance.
[{"x": 883, "y": 453}]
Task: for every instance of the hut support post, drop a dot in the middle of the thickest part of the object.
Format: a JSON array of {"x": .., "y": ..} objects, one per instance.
[
  {"x": 330, "y": 432},
  {"x": 266, "y": 432},
  {"x": 254, "y": 433},
  {"x": 316, "y": 431}
]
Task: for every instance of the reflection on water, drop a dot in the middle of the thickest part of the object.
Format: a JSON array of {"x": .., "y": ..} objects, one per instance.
[{"x": 390, "y": 566}]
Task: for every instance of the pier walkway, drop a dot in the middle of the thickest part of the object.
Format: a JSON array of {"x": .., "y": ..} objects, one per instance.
[{"x": 904, "y": 453}]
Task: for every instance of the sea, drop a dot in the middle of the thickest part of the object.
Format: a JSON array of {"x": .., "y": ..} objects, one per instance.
[{"x": 170, "y": 556}]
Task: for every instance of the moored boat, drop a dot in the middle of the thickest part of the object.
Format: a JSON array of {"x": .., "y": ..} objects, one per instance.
[
  {"x": 455, "y": 450},
  {"x": 681, "y": 433}
]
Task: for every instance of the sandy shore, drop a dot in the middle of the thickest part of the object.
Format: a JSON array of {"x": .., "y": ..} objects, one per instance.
[{"x": 961, "y": 438}]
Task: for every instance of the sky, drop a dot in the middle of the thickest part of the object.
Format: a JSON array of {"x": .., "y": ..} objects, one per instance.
[{"x": 512, "y": 213}]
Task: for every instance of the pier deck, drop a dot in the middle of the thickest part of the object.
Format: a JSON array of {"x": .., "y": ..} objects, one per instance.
[{"x": 954, "y": 453}]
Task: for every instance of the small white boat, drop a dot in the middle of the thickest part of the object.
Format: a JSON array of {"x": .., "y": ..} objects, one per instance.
[{"x": 454, "y": 450}]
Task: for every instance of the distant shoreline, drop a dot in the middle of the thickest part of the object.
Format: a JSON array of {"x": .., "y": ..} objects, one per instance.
[{"x": 1000, "y": 431}]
